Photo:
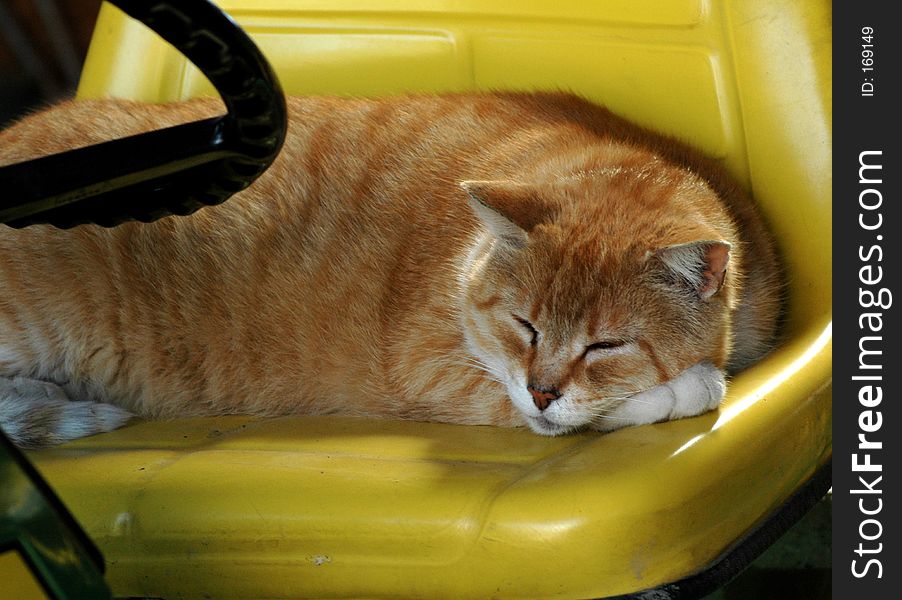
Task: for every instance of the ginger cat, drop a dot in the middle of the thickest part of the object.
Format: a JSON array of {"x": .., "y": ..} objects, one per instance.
[{"x": 503, "y": 259}]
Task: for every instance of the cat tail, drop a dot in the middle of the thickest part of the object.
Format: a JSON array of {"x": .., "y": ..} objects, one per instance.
[{"x": 36, "y": 414}]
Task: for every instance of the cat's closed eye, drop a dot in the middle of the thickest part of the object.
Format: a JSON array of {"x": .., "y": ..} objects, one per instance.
[
  {"x": 604, "y": 345},
  {"x": 530, "y": 329}
]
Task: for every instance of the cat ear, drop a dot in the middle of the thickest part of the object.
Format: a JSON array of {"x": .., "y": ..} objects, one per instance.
[
  {"x": 702, "y": 265},
  {"x": 509, "y": 210}
]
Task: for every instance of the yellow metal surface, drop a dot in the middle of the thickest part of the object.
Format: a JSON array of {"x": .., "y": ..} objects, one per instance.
[
  {"x": 338, "y": 507},
  {"x": 16, "y": 580}
]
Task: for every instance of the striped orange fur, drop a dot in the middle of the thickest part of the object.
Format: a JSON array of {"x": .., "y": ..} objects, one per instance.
[{"x": 456, "y": 258}]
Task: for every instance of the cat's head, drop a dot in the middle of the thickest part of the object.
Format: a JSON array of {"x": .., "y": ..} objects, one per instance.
[{"x": 584, "y": 291}]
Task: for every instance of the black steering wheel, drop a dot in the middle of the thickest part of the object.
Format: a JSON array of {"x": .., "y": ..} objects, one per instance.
[{"x": 171, "y": 171}]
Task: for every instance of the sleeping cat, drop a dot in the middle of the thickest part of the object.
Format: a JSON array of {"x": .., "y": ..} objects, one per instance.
[{"x": 503, "y": 259}]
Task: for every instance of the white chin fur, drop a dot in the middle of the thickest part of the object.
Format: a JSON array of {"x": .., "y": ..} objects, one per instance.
[
  {"x": 544, "y": 426},
  {"x": 558, "y": 419}
]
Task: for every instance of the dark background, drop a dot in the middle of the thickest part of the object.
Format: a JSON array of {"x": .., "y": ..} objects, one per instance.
[
  {"x": 862, "y": 124},
  {"x": 42, "y": 47}
]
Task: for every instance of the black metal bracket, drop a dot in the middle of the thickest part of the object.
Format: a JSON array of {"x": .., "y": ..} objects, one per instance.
[
  {"x": 36, "y": 525},
  {"x": 171, "y": 171}
]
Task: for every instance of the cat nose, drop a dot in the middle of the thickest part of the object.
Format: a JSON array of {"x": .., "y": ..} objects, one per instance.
[{"x": 542, "y": 396}]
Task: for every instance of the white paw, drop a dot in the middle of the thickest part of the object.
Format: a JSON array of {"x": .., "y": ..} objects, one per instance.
[
  {"x": 696, "y": 390},
  {"x": 37, "y": 413}
]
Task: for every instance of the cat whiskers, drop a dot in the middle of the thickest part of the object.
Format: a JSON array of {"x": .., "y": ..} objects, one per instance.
[
  {"x": 481, "y": 366},
  {"x": 605, "y": 413},
  {"x": 602, "y": 416},
  {"x": 606, "y": 417},
  {"x": 631, "y": 397},
  {"x": 474, "y": 363}
]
